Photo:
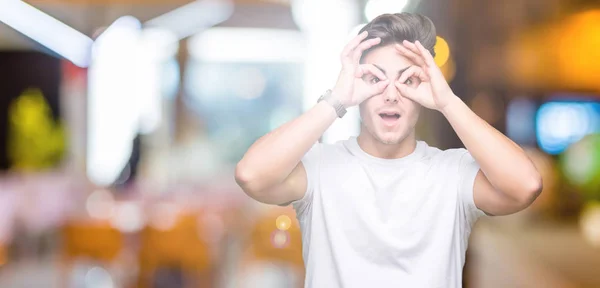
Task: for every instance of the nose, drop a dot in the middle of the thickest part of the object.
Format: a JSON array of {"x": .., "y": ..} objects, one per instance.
[{"x": 390, "y": 95}]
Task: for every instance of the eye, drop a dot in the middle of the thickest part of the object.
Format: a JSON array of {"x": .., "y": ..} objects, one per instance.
[
  {"x": 412, "y": 81},
  {"x": 374, "y": 80}
]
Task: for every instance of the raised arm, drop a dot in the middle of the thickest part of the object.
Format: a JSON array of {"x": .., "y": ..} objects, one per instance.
[
  {"x": 507, "y": 181},
  {"x": 271, "y": 171}
]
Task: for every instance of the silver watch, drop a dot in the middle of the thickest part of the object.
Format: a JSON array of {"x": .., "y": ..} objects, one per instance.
[{"x": 340, "y": 110}]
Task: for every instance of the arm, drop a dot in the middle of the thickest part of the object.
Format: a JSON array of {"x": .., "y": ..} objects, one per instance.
[
  {"x": 271, "y": 171},
  {"x": 507, "y": 181}
]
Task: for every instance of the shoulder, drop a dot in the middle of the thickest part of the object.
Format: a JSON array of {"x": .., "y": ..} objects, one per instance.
[
  {"x": 339, "y": 147},
  {"x": 326, "y": 152},
  {"x": 439, "y": 156}
]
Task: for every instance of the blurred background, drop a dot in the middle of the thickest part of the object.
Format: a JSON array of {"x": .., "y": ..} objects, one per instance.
[{"x": 121, "y": 123}]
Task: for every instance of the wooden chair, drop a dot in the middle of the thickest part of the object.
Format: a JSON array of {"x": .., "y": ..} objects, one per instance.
[
  {"x": 180, "y": 247},
  {"x": 89, "y": 240},
  {"x": 280, "y": 246}
]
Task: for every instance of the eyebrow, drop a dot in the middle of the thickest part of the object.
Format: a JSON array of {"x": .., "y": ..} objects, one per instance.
[{"x": 399, "y": 71}]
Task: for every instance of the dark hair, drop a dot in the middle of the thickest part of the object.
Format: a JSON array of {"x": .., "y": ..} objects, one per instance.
[{"x": 395, "y": 28}]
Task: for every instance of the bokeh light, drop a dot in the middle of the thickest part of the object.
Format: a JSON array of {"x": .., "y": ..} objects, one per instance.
[
  {"x": 581, "y": 165},
  {"x": 375, "y": 8},
  {"x": 449, "y": 69},
  {"x": 578, "y": 33},
  {"x": 562, "y": 123},
  {"x": 164, "y": 216},
  {"x": 283, "y": 222},
  {"x": 100, "y": 204},
  {"x": 531, "y": 52},
  {"x": 314, "y": 16},
  {"x": 98, "y": 277},
  {"x": 128, "y": 217},
  {"x": 442, "y": 51},
  {"x": 280, "y": 239},
  {"x": 589, "y": 223}
]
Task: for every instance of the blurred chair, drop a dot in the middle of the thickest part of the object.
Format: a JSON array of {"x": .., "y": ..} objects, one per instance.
[
  {"x": 278, "y": 249},
  {"x": 89, "y": 240},
  {"x": 176, "y": 252}
]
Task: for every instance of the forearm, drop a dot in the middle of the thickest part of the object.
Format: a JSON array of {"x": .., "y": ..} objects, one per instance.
[
  {"x": 503, "y": 162},
  {"x": 273, "y": 157}
]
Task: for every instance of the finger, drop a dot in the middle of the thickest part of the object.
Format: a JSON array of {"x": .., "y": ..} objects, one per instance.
[
  {"x": 417, "y": 59},
  {"x": 359, "y": 72},
  {"x": 380, "y": 87},
  {"x": 407, "y": 91},
  {"x": 372, "y": 90},
  {"x": 354, "y": 43},
  {"x": 412, "y": 47},
  {"x": 371, "y": 69},
  {"x": 364, "y": 46},
  {"x": 426, "y": 55},
  {"x": 413, "y": 71}
]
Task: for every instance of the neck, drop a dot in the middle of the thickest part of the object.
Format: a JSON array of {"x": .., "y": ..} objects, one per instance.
[{"x": 378, "y": 149}]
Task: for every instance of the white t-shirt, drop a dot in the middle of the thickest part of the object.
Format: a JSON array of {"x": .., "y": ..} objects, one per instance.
[{"x": 372, "y": 222}]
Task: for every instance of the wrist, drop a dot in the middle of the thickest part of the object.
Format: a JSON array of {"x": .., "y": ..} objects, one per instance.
[
  {"x": 326, "y": 107},
  {"x": 339, "y": 97},
  {"x": 334, "y": 102},
  {"x": 452, "y": 103}
]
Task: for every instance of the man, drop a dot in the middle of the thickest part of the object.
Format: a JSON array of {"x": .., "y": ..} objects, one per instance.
[{"x": 383, "y": 209}]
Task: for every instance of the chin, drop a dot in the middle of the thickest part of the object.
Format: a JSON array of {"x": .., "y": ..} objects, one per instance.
[
  {"x": 387, "y": 135},
  {"x": 390, "y": 138}
]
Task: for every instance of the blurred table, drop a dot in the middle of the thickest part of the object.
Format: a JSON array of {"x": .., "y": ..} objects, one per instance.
[{"x": 537, "y": 255}]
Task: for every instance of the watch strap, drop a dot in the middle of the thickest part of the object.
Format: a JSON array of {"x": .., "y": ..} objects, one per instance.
[{"x": 340, "y": 110}]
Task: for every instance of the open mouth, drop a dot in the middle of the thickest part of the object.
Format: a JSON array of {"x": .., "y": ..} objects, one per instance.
[
  {"x": 390, "y": 119},
  {"x": 389, "y": 116}
]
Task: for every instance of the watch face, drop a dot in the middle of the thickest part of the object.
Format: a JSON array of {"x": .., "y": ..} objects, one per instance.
[{"x": 324, "y": 96}]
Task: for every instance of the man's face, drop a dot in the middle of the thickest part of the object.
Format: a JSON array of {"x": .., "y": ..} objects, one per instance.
[{"x": 389, "y": 117}]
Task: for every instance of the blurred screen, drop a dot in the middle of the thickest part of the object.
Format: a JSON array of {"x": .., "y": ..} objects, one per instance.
[
  {"x": 564, "y": 121},
  {"x": 240, "y": 102}
]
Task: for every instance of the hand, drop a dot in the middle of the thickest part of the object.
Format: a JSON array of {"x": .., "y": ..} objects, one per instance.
[
  {"x": 432, "y": 91},
  {"x": 350, "y": 88}
]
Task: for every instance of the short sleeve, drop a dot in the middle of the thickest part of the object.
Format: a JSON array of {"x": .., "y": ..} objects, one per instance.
[
  {"x": 467, "y": 171},
  {"x": 310, "y": 161}
]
